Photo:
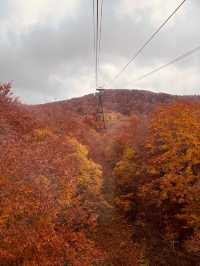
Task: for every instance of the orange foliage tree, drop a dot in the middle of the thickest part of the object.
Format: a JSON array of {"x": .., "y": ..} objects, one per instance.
[
  {"x": 157, "y": 180},
  {"x": 170, "y": 192}
]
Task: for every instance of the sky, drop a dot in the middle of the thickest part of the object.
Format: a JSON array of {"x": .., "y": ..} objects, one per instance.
[{"x": 46, "y": 47}]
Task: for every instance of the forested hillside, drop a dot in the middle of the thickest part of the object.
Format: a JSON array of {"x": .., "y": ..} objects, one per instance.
[{"x": 71, "y": 194}]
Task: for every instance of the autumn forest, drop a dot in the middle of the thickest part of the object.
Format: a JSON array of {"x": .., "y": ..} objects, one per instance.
[{"x": 74, "y": 195}]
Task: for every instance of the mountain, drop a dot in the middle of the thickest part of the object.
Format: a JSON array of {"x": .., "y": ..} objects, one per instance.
[
  {"x": 72, "y": 194},
  {"x": 123, "y": 101}
]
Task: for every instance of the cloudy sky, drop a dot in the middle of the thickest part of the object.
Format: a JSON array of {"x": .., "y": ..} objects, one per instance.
[{"x": 46, "y": 46}]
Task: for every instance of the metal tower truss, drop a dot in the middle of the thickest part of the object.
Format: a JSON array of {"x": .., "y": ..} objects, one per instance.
[{"x": 100, "y": 116}]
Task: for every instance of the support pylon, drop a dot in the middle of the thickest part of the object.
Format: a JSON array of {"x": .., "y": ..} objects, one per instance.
[{"x": 100, "y": 117}]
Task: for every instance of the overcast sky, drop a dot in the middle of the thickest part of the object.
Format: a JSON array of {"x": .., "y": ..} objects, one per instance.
[{"x": 46, "y": 46}]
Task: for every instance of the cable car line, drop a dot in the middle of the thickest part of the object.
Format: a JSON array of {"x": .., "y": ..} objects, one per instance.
[
  {"x": 94, "y": 30},
  {"x": 177, "y": 59},
  {"x": 148, "y": 41},
  {"x": 97, "y": 23},
  {"x": 100, "y": 34}
]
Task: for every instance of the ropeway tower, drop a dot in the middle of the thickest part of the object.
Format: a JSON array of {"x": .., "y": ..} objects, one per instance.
[{"x": 100, "y": 116}]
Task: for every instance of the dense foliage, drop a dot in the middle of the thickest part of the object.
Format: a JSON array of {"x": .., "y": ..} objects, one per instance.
[
  {"x": 158, "y": 183},
  {"x": 60, "y": 178},
  {"x": 49, "y": 192}
]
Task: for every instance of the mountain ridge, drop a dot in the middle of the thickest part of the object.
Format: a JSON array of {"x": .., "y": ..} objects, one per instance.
[{"x": 123, "y": 101}]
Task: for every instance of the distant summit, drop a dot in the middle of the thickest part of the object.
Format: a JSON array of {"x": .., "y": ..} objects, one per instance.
[{"x": 126, "y": 102}]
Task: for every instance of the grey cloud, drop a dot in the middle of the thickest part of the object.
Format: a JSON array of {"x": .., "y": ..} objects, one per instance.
[{"x": 55, "y": 61}]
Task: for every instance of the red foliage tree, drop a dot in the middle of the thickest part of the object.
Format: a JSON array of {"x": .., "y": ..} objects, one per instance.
[{"x": 49, "y": 193}]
